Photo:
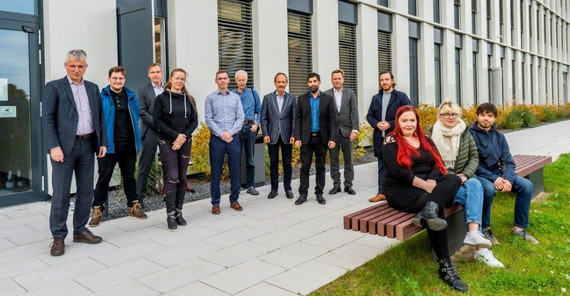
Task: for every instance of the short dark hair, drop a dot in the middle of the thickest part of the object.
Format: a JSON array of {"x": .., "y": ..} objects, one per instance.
[
  {"x": 280, "y": 73},
  {"x": 221, "y": 72},
  {"x": 119, "y": 69},
  {"x": 153, "y": 65},
  {"x": 487, "y": 108},
  {"x": 313, "y": 74}
]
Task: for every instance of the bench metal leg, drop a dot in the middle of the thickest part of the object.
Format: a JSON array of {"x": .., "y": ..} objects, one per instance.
[{"x": 537, "y": 179}]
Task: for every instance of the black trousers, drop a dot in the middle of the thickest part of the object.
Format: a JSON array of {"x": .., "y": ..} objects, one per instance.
[
  {"x": 319, "y": 149},
  {"x": 126, "y": 156},
  {"x": 174, "y": 169},
  {"x": 286, "y": 155},
  {"x": 148, "y": 151},
  {"x": 346, "y": 146}
]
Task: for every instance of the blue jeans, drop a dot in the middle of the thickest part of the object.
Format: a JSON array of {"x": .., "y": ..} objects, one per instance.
[
  {"x": 470, "y": 196},
  {"x": 219, "y": 148},
  {"x": 247, "y": 140},
  {"x": 522, "y": 187}
]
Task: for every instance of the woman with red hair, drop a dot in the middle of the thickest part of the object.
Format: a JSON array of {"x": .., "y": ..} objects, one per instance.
[{"x": 417, "y": 182}]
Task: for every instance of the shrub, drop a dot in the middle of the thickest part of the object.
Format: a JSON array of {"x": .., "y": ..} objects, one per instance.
[{"x": 428, "y": 116}]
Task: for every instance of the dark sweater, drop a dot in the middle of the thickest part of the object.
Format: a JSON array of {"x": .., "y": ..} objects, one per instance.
[
  {"x": 173, "y": 114},
  {"x": 123, "y": 125},
  {"x": 495, "y": 159}
]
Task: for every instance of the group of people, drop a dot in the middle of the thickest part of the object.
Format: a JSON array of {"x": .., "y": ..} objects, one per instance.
[{"x": 417, "y": 173}]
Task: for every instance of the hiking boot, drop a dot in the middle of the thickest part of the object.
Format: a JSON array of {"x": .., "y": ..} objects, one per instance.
[
  {"x": 525, "y": 235},
  {"x": 487, "y": 257},
  {"x": 96, "y": 216},
  {"x": 476, "y": 238},
  {"x": 488, "y": 233},
  {"x": 251, "y": 190},
  {"x": 136, "y": 211},
  {"x": 448, "y": 274}
]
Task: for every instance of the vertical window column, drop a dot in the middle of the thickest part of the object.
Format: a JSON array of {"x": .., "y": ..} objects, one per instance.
[
  {"x": 438, "y": 41},
  {"x": 300, "y": 47},
  {"x": 458, "y": 47},
  {"x": 347, "y": 44},
  {"x": 384, "y": 42},
  {"x": 414, "y": 33}
]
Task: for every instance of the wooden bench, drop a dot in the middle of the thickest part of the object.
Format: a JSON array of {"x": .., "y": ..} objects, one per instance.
[{"x": 380, "y": 219}]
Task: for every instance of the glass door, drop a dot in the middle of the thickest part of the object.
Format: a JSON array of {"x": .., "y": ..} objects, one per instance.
[{"x": 20, "y": 122}]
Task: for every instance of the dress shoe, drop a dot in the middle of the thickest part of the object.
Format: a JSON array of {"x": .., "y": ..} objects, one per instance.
[
  {"x": 136, "y": 211},
  {"x": 96, "y": 216},
  {"x": 57, "y": 247},
  {"x": 87, "y": 237},
  {"x": 289, "y": 194},
  {"x": 236, "y": 206},
  {"x": 335, "y": 190},
  {"x": 377, "y": 198},
  {"x": 349, "y": 190},
  {"x": 216, "y": 210},
  {"x": 301, "y": 199},
  {"x": 321, "y": 199},
  {"x": 251, "y": 190},
  {"x": 272, "y": 194}
]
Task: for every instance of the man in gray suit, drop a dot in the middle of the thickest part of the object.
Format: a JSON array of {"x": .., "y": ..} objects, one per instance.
[
  {"x": 347, "y": 117},
  {"x": 74, "y": 129},
  {"x": 146, "y": 95},
  {"x": 277, "y": 120}
]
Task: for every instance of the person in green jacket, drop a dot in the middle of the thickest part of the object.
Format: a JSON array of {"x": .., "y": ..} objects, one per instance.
[{"x": 459, "y": 154}]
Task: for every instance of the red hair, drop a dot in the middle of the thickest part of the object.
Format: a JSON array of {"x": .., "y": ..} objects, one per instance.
[{"x": 405, "y": 150}]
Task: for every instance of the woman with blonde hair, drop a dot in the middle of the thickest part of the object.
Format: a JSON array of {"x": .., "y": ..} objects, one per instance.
[{"x": 459, "y": 154}]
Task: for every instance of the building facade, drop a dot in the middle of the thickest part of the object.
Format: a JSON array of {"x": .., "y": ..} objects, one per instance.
[{"x": 507, "y": 52}]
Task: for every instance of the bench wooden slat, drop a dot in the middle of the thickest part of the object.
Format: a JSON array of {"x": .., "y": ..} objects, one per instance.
[
  {"x": 391, "y": 226},
  {"x": 381, "y": 225},
  {"x": 347, "y": 218},
  {"x": 373, "y": 223},
  {"x": 527, "y": 164},
  {"x": 379, "y": 211},
  {"x": 355, "y": 221}
]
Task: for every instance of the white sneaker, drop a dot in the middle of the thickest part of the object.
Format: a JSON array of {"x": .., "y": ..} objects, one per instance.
[
  {"x": 487, "y": 257},
  {"x": 476, "y": 238}
]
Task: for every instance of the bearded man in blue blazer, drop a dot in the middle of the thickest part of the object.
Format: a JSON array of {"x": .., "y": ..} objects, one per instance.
[{"x": 74, "y": 130}]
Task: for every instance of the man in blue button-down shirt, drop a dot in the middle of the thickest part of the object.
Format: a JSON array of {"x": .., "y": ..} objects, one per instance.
[
  {"x": 252, "y": 110},
  {"x": 224, "y": 117}
]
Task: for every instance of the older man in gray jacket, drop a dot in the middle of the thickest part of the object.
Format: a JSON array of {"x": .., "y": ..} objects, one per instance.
[
  {"x": 347, "y": 117},
  {"x": 277, "y": 120}
]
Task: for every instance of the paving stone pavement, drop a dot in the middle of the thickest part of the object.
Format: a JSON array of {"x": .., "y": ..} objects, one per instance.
[{"x": 271, "y": 248}]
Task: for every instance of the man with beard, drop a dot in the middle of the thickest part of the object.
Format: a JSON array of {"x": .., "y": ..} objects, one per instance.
[
  {"x": 496, "y": 171},
  {"x": 381, "y": 116},
  {"x": 315, "y": 129}
]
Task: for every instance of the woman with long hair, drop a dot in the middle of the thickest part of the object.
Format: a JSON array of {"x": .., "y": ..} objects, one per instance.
[
  {"x": 417, "y": 182},
  {"x": 175, "y": 117},
  {"x": 459, "y": 154}
]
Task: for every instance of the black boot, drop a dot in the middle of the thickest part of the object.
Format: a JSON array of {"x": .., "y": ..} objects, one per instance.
[
  {"x": 428, "y": 216},
  {"x": 448, "y": 274},
  {"x": 179, "y": 219},
  {"x": 171, "y": 220}
]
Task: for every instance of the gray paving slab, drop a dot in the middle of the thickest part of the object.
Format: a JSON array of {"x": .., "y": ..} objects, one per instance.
[{"x": 271, "y": 248}]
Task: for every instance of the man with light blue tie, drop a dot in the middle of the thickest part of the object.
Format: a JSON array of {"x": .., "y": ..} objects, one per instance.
[{"x": 277, "y": 122}]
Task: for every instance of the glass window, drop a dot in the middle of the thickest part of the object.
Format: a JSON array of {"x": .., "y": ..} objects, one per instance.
[
  {"x": 436, "y": 11},
  {"x": 437, "y": 67},
  {"x": 458, "y": 99},
  {"x": 300, "y": 51},
  {"x": 383, "y": 3},
  {"x": 475, "y": 82},
  {"x": 20, "y": 6},
  {"x": 384, "y": 52},
  {"x": 456, "y": 15},
  {"x": 159, "y": 41},
  {"x": 347, "y": 55},
  {"x": 412, "y": 7},
  {"x": 414, "y": 87},
  {"x": 235, "y": 38}
]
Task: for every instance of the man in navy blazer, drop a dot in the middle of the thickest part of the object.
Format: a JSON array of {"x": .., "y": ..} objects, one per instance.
[
  {"x": 277, "y": 122},
  {"x": 381, "y": 116},
  {"x": 74, "y": 130},
  {"x": 315, "y": 129}
]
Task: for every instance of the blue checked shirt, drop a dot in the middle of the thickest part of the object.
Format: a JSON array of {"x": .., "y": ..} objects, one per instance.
[
  {"x": 223, "y": 112},
  {"x": 315, "y": 104},
  {"x": 251, "y": 103}
]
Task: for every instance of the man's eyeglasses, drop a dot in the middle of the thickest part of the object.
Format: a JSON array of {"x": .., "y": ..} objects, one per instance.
[{"x": 449, "y": 115}]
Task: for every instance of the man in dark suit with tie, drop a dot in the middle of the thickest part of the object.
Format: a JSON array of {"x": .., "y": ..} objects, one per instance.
[
  {"x": 74, "y": 129},
  {"x": 149, "y": 137},
  {"x": 347, "y": 118},
  {"x": 277, "y": 121},
  {"x": 381, "y": 116},
  {"x": 315, "y": 129}
]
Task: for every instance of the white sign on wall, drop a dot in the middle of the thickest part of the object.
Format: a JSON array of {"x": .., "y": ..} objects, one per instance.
[
  {"x": 3, "y": 89},
  {"x": 8, "y": 112}
]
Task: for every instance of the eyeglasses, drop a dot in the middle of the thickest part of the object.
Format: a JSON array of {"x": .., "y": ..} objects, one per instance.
[{"x": 449, "y": 115}]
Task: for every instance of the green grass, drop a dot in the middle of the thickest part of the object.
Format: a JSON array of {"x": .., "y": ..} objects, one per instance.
[{"x": 544, "y": 269}]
